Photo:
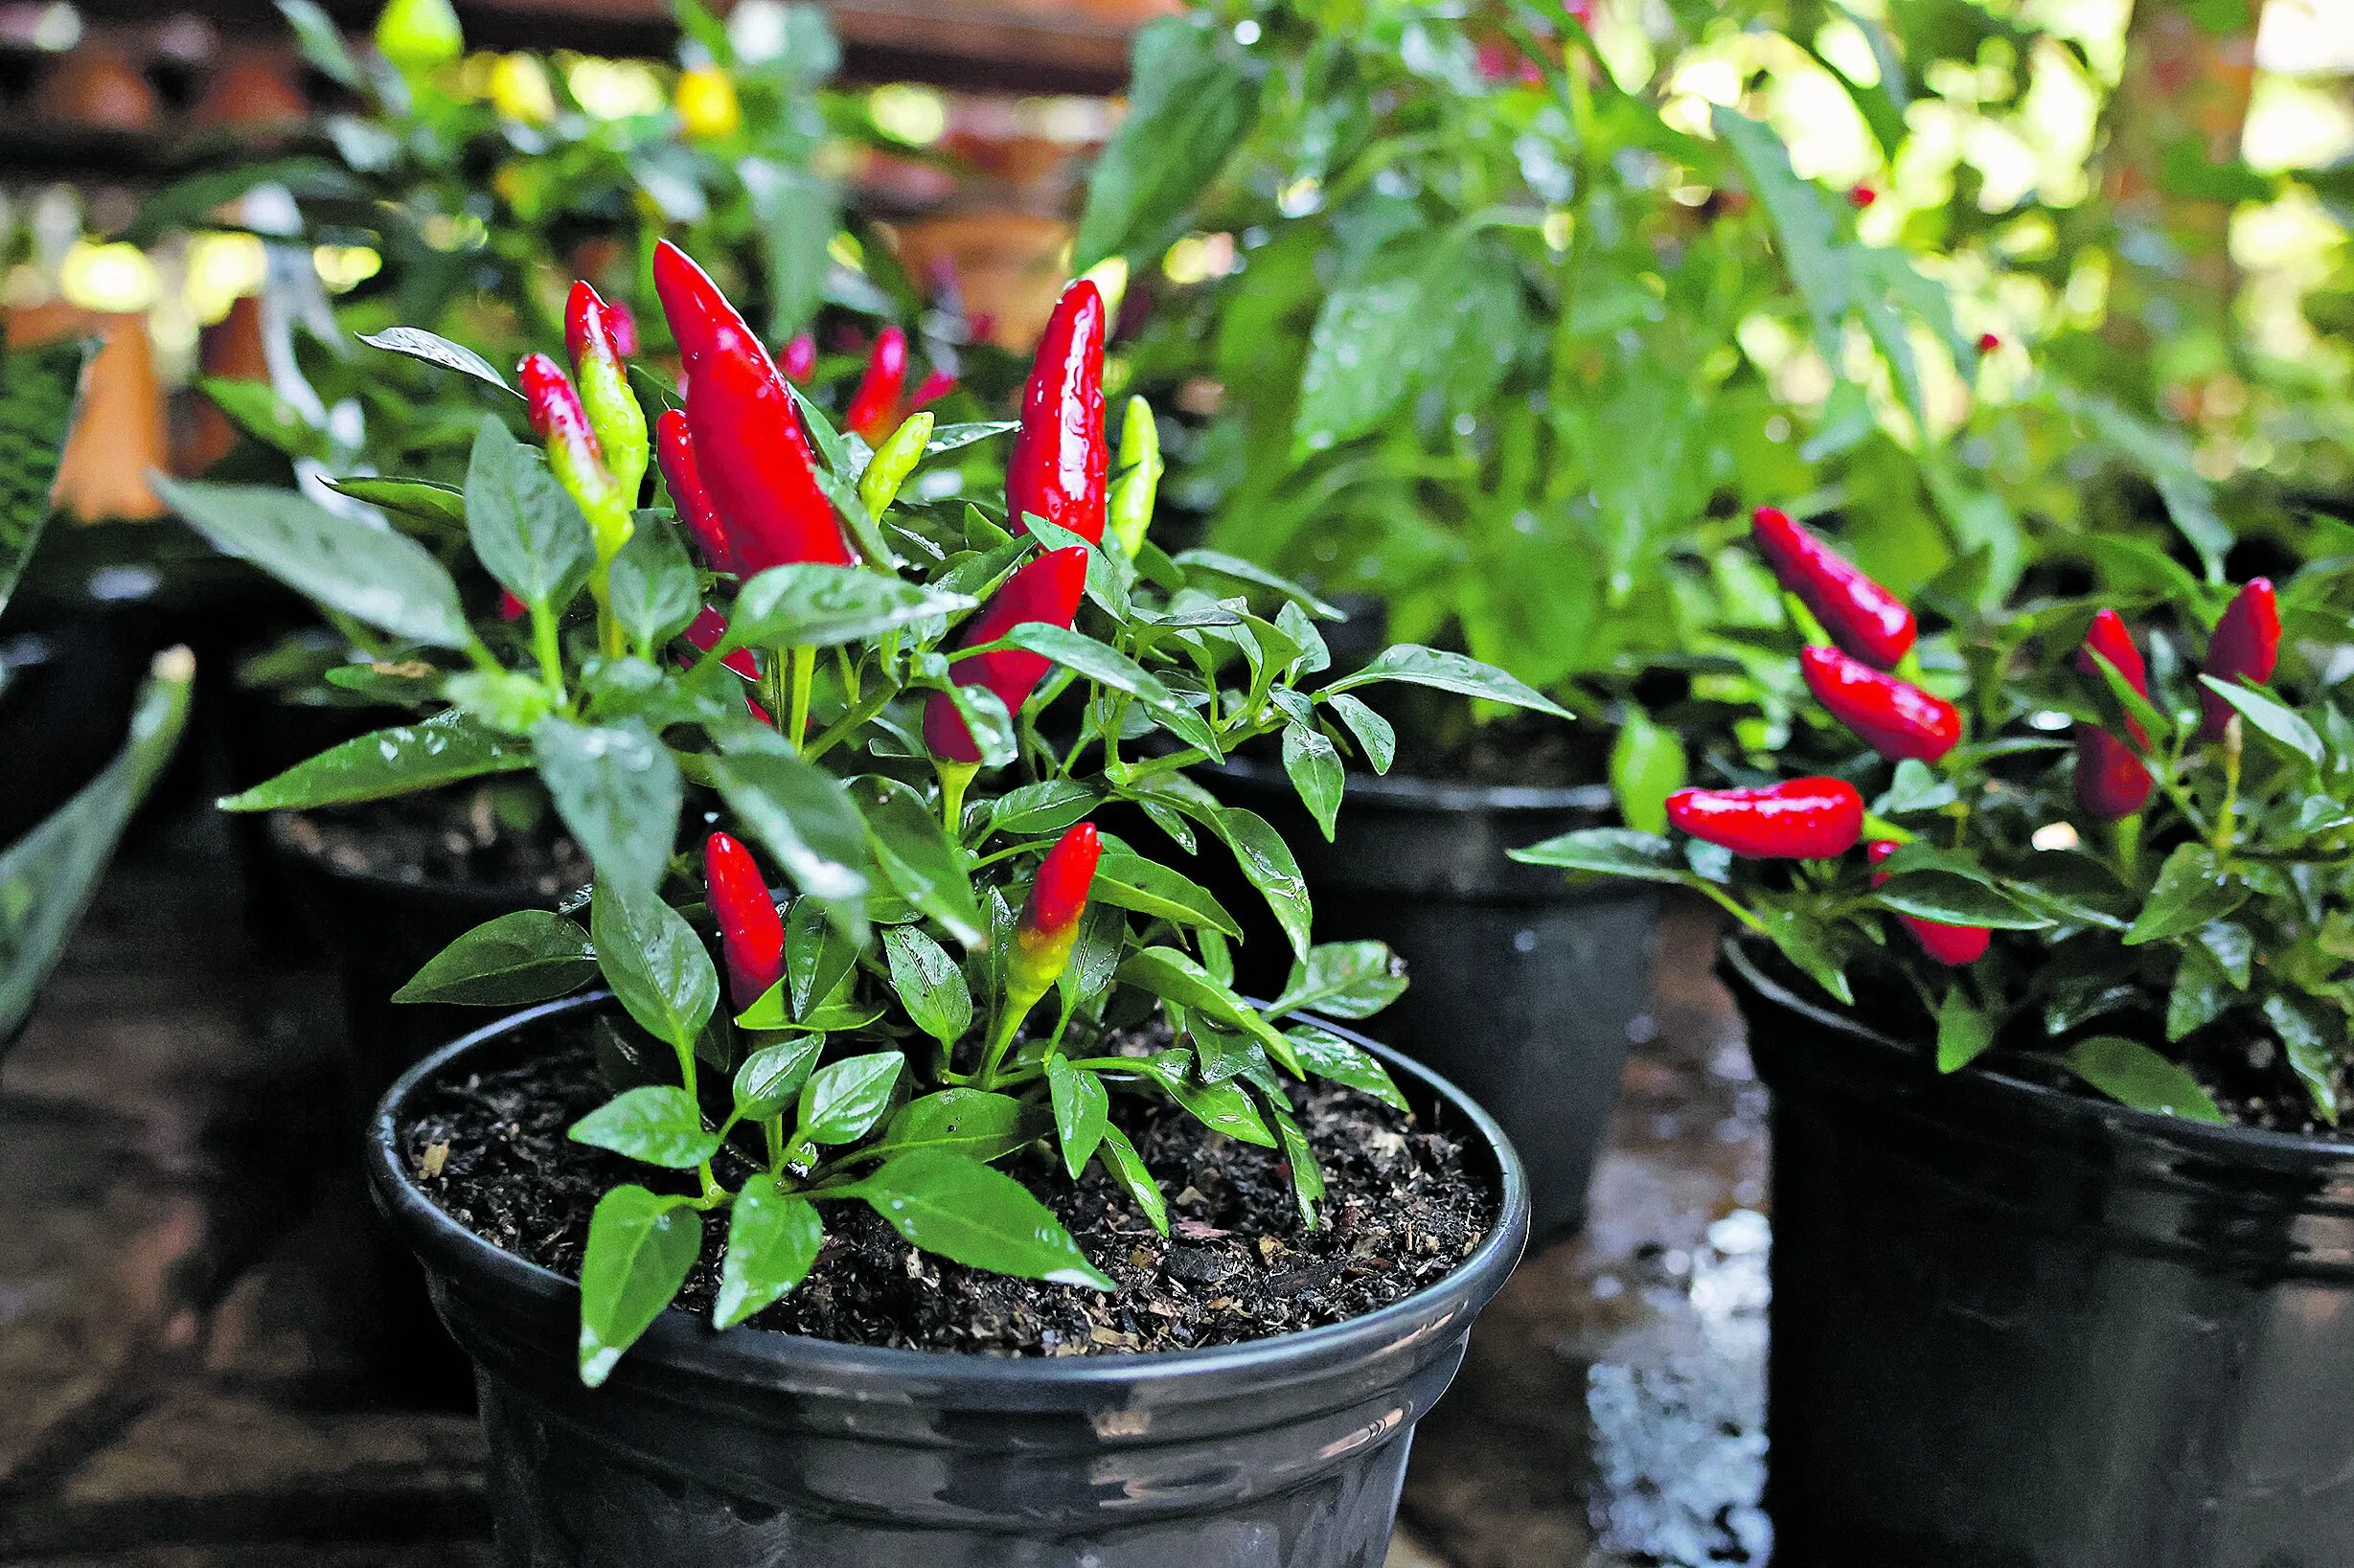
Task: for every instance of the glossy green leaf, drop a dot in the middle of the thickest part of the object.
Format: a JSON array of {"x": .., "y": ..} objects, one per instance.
[
  {"x": 973, "y": 1123},
  {"x": 1306, "y": 1171},
  {"x": 532, "y": 955},
  {"x": 418, "y": 498},
  {"x": 809, "y": 604},
  {"x": 1130, "y": 881},
  {"x": 656, "y": 1123},
  {"x": 1235, "y": 568},
  {"x": 930, "y": 984},
  {"x": 845, "y": 1098},
  {"x": 1647, "y": 765},
  {"x": 1343, "y": 980},
  {"x": 367, "y": 571},
  {"x": 435, "y": 350},
  {"x": 1326, "y": 1055},
  {"x": 802, "y": 815},
  {"x": 652, "y": 585},
  {"x": 1268, "y": 864},
  {"x": 640, "y": 1247},
  {"x": 1046, "y": 807},
  {"x": 2132, "y": 1074},
  {"x": 656, "y": 964},
  {"x": 1446, "y": 672},
  {"x": 526, "y": 530},
  {"x": 1082, "y": 1111},
  {"x": 772, "y": 1074},
  {"x": 819, "y": 955},
  {"x": 1221, "y": 1108},
  {"x": 2311, "y": 1031},
  {"x": 2190, "y": 891},
  {"x": 1313, "y": 763},
  {"x": 773, "y": 1238},
  {"x": 449, "y": 746},
  {"x": 1174, "y": 977},
  {"x": 1964, "y": 1032},
  {"x": 971, "y": 1214},
  {"x": 916, "y": 855},
  {"x": 1127, "y": 1168},
  {"x": 1375, "y": 735},
  {"x": 1957, "y": 900},
  {"x": 1612, "y": 852},
  {"x": 2272, "y": 718},
  {"x": 618, "y": 790},
  {"x": 255, "y": 408},
  {"x": 1191, "y": 106}
]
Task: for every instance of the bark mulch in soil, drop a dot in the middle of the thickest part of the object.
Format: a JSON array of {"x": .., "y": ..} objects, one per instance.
[{"x": 1404, "y": 1206}]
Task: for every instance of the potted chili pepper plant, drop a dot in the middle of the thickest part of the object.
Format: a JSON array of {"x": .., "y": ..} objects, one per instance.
[
  {"x": 988, "y": 1206},
  {"x": 2056, "y": 1025}
]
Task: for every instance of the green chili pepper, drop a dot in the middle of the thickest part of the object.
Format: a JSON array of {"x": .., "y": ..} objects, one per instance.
[
  {"x": 1132, "y": 499},
  {"x": 893, "y": 461}
]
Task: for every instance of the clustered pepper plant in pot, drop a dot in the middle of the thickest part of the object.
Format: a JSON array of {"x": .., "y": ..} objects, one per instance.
[
  {"x": 1472, "y": 348},
  {"x": 980, "y": 1083},
  {"x": 2057, "y": 1028}
]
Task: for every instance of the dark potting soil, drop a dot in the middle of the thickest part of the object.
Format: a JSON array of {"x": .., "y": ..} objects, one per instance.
[
  {"x": 1403, "y": 1209},
  {"x": 475, "y": 836}
]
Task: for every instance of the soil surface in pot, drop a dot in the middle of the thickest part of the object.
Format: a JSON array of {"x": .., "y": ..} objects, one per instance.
[
  {"x": 1403, "y": 1209},
  {"x": 490, "y": 836}
]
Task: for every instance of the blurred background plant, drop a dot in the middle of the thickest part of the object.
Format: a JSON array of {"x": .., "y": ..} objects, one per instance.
[{"x": 1505, "y": 320}]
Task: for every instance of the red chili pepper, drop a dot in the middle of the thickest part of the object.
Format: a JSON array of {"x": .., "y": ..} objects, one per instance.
[
  {"x": 1948, "y": 944},
  {"x": 675, "y": 450},
  {"x": 592, "y": 338},
  {"x": 2110, "y": 781},
  {"x": 874, "y": 407},
  {"x": 1988, "y": 343},
  {"x": 1895, "y": 718},
  {"x": 1799, "y": 818},
  {"x": 1862, "y": 616},
  {"x": 751, "y": 932},
  {"x": 510, "y": 608},
  {"x": 1862, "y": 195},
  {"x": 800, "y": 361},
  {"x": 2247, "y": 642},
  {"x": 704, "y": 632},
  {"x": 1060, "y": 464},
  {"x": 1049, "y": 923},
  {"x": 930, "y": 390},
  {"x": 749, "y": 448},
  {"x": 1047, "y": 589},
  {"x": 574, "y": 456}
]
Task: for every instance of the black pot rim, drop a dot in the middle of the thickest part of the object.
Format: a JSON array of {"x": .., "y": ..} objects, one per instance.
[
  {"x": 511, "y": 895},
  {"x": 765, "y": 1354},
  {"x": 2220, "y": 1141},
  {"x": 1440, "y": 794}
]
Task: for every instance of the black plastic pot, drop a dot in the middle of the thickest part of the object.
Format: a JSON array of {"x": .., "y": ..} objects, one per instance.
[
  {"x": 727, "y": 1450},
  {"x": 379, "y": 931},
  {"x": 1522, "y": 990},
  {"x": 2014, "y": 1327}
]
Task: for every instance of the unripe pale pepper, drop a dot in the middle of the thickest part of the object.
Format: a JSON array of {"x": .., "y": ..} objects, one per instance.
[
  {"x": 593, "y": 340},
  {"x": 751, "y": 931},
  {"x": 1047, "y": 589},
  {"x": 2112, "y": 783},
  {"x": 1799, "y": 818},
  {"x": 874, "y": 408},
  {"x": 1131, "y": 501},
  {"x": 1948, "y": 944},
  {"x": 893, "y": 461},
  {"x": 1060, "y": 464},
  {"x": 749, "y": 447},
  {"x": 1862, "y": 616},
  {"x": 574, "y": 456},
  {"x": 1895, "y": 718},
  {"x": 2247, "y": 642}
]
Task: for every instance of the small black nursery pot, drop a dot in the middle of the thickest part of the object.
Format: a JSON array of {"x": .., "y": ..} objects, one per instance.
[
  {"x": 1522, "y": 989},
  {"x": 2015, "y": 1328},
  {"x": 729, "y": 1449}
]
